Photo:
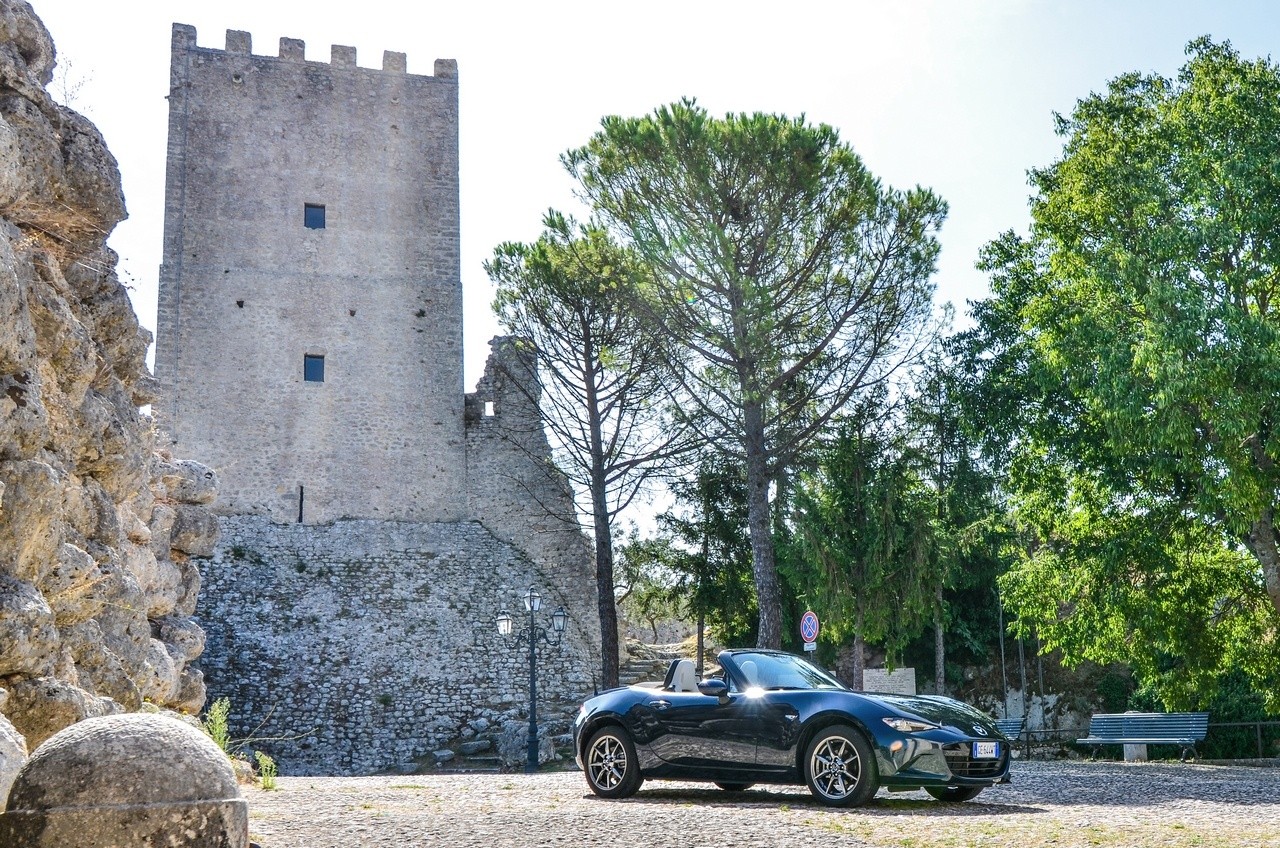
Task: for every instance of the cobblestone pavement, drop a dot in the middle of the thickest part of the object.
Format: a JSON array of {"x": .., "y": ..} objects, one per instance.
[{"x": 1063, "y": 805}]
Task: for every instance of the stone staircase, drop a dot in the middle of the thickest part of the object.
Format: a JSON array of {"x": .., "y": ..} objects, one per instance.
[
  {"x": 640, "y": 670},
  {"x": 649, "y": 663}
]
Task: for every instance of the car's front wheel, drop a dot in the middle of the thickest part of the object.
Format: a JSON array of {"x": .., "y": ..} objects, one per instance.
[
  {"x": 954, "y": 793},
  {"x": 612, "y": 769},
  {"x": 840, "y": 768}
]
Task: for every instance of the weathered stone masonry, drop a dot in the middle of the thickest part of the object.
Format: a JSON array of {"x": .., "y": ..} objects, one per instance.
[
  {"x": 374, "y": 640},
  {"x": 373, "y": 522},
  {"x": 248, "y": 288}
]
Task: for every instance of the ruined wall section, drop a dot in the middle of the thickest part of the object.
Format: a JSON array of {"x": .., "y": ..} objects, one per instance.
[
  {"x": 365, "y": 646},
  {"x": 97, "y": 526},
  {"x": 248, "y": 289},
  {"x": 516, "y": 491}
]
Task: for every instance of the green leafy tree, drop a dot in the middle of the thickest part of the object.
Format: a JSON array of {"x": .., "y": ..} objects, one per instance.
[
  {"x": 944, "y": 420},
  {"x": 1133, "y": 343},
  {"x": 865, "y": 521},
  {"x": 599, "y": 393},
  {"x": 699, "y": 564},
  {"x": 788, "y": 281}
]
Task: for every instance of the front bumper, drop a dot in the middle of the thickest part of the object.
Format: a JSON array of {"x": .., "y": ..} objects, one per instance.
[{"x": 917, "y": 761}]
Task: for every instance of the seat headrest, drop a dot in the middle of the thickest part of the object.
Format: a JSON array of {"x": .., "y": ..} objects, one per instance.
[{"x": 684, "y": 679}]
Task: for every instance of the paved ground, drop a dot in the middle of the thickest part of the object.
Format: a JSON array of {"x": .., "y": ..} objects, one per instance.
[{"x": 1063, "y": 805}]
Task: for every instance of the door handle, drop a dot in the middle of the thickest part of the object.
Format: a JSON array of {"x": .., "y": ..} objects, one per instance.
[{"x": 660, "y": 704}]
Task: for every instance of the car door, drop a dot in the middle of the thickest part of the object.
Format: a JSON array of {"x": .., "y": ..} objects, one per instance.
[
  {"x": 777, "y": 727},
  {"x": 699, "y": 733}
]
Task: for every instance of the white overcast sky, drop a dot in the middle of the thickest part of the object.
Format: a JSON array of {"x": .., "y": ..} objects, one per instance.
[{"x": 956, "y": 95}]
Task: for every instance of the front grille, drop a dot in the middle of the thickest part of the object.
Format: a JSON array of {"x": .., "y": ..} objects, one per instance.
[{"x": 962, "y": 764}]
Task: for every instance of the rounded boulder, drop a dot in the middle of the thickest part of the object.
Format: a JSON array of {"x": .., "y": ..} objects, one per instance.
[{"x": 126, "y": 780}]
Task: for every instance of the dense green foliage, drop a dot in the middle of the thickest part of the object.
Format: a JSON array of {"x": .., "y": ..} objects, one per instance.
[
  {"x": 786, "y": 281},
  {"x": 1132, "y": 360},
  {"x": 865, "y": 526},
  {"x": 944, "y": 422},
  {"x": 699, "y": 564},
  {"x": 1102, "y": 444}
]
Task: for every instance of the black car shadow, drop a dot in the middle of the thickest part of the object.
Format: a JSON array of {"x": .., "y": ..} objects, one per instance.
[{"x": 879, "y": 806}]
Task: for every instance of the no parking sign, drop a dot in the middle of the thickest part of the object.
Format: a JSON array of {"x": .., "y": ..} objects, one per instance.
[{"x": 809, "y": 630}]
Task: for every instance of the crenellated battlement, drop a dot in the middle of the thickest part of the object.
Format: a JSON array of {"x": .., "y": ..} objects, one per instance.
[
  {"x": 298, "y": 191},
  {"x": 341, "y": 56}
]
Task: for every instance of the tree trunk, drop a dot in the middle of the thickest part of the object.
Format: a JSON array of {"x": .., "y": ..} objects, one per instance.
[
  {"x": 857, "y": 676},
  {"x": 1261, "y": 542},
  {"x": 607, "y": 608},
  {"x": 763, "y": 566},
  {"x": 851, "y": 661},
  {"x": 702, "y": 642},
  {"x": 939, "y": 647},
  {"x": 605, "y": 603},
  {"x": 1022, "y": 677}
]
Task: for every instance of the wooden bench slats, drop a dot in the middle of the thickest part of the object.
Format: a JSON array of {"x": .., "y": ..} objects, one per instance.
[{"x": 1183, "y": 729}]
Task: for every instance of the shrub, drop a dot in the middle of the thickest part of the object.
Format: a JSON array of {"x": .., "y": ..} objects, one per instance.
[
  {"x": 266, "y": 770},
  {"x": 215, "y": 724}
]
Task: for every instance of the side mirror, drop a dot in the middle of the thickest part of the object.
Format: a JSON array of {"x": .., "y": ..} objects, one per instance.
[{"x": 715, "y": 687}]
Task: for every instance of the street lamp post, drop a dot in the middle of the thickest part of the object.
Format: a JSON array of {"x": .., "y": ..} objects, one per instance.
[{"x": 532, "y": 633}]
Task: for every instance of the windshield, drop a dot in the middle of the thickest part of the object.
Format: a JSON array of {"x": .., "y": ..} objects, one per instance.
[{"x": 782, "y": 671}]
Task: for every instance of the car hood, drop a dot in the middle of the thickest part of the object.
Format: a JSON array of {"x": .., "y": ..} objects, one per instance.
[{"x": 943, "y": 711}]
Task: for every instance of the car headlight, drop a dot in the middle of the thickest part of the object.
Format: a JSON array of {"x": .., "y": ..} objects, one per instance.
[{"x": 909, "y": 725}]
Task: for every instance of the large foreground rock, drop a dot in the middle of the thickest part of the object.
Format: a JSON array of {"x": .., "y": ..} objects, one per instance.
[{"x": 125, "y": 781}]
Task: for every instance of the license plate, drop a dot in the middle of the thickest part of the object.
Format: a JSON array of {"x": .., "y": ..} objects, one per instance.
[{"x": 986, "y": 750}]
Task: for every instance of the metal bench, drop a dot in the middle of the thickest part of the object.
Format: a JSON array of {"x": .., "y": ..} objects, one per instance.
[
  {"x": 1011, "y": 727},
  {"x": 1012, "y": 730},
  {"x": 1181, "y": 729}
]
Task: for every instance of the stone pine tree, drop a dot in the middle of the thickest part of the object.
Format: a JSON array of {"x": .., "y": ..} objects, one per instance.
[
  {"x": 788, "y": 280},
  {"x": 566, "y": 295}
]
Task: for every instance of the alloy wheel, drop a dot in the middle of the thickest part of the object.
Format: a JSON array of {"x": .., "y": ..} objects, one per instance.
[
  {"x": 607, "y": 762},
  {"x": 836, "y": 767}
]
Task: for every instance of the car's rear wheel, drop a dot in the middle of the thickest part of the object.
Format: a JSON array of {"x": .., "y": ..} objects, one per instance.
[
  {"x": 840, "y": 768},
  {"x": 612, "y": 768},
  {"x": 954, "y": 793},
  {"x": 734, "y": 787}
]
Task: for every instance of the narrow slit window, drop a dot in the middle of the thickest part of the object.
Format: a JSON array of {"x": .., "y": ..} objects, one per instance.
[
  {"x": 488, "y": 409},
  {"x": 313, "y": 216},
  {"x": 313, "y": 368}
]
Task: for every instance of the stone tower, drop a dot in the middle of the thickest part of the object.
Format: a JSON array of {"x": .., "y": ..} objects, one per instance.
[
  {"x": 373, "y": 517},
  {"x": 310, "y": 315}
]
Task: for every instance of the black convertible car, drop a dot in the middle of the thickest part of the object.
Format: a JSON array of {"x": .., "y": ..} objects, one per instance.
[{"x": 771, "y": 717}]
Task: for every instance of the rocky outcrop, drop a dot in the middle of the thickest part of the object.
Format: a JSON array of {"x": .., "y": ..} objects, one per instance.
[{"x": 96, "y": 524}]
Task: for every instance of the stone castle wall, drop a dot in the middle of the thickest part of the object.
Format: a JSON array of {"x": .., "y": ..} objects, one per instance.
[
  {"x": 373, "y": 523},
  {"x": 515, "y": 490},
  {"x": 364, "y": 646},
  {"x": 247, "y": 289}
]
